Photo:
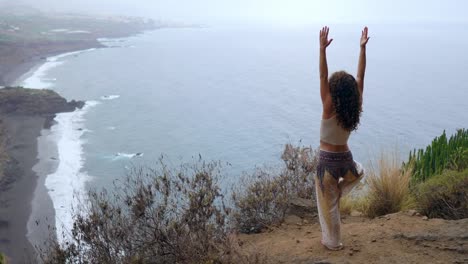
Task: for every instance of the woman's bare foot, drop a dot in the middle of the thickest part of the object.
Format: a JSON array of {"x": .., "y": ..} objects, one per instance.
[{"x": 339, "y": 247}]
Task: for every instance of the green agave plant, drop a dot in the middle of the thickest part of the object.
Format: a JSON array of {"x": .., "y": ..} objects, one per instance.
[{"x": 441, "y": 154}]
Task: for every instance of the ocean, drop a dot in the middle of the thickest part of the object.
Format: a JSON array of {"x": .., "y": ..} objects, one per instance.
[{"x": 238, "y": 95}]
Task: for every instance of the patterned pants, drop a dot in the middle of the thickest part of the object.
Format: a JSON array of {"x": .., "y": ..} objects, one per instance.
[{"x": 335, "y": 180}]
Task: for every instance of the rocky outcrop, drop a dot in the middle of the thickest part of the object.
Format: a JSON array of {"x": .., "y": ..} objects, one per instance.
[{"x": 23, "y": 101}]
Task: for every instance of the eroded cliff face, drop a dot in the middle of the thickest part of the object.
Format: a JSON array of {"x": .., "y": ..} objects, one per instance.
[{"x": 34, "y": 102}]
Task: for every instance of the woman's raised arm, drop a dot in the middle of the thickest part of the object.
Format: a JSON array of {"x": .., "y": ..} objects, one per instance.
[
  {"x": 323, "y": 67},
  {"x": 362, "y": 61}
]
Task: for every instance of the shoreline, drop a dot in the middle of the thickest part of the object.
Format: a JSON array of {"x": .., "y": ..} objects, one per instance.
[
  {"x": 27, "y": 213},
  {"x": 16, "y": 61}
]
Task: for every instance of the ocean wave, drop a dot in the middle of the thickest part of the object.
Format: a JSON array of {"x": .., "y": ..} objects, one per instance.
[
  {"x": 128, "y": 155},
  {"x": 112, "y": 42},
  {"x": 38, "y": 80},
  {"x": 66, "y": 186},
  {"x": 110, "y": 97}
]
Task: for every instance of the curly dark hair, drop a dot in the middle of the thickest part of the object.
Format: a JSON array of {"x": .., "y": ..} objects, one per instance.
[{"x": 346, "y": 100}]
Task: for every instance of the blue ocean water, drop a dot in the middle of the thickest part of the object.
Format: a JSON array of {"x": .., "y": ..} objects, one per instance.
[{"x": 239, "y": 95}]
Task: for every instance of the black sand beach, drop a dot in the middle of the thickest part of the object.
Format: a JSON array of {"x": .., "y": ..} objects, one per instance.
[
  {"x": 17, "y": 186},
  {"x": 27, "y": 216},
  {"x": 25, "y": 114}
]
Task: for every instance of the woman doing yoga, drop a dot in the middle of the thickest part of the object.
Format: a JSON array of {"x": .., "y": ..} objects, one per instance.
[{"x": 337, "y": 172}]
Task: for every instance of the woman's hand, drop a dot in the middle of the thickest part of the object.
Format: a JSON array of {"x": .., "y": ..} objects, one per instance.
[
  {"x": 364, "y": 38},
  {"x": 324, "y": 42}
]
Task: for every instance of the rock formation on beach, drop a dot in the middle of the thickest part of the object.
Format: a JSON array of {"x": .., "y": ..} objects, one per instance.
[{"x": 23, "y": 101}]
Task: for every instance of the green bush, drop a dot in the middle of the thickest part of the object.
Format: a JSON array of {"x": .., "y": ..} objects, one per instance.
[
  {"x": 444, "y": 195},
  {"x": 441, "y": 154}
]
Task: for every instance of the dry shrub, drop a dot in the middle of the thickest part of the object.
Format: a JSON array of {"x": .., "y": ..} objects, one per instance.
[
  {"x": 355, "y": 200},
  {"x": 444, "y": 196},
  {"x": 300, "y": 166},
  {"x": 388, "y": 187},
  {"x": 2, "y": 259},
  {"x": 263, "y": 198},
  {"x": 347, "y": 205},
  {"x": 153, "y": 216},
  {"x": 262, "y": 201}
]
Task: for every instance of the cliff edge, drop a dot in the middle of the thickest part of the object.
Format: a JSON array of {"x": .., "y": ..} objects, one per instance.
[{"x": 23, "y": 101}]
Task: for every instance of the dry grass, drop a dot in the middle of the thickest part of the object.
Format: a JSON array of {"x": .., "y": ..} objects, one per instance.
[
  {"x": 347, "y": 205},
  {"x": 388, "y": 187}
]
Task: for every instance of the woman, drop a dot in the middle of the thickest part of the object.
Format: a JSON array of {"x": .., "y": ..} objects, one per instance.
[{"x": 337, "y": 172}]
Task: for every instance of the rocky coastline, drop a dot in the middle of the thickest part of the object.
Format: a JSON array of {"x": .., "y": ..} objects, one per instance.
[{"x": 24, "y": 113}]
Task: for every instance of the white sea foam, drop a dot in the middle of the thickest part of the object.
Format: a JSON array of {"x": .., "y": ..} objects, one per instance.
[
  {"x": 112, "y": 42},
  {"x": 128, "y": 155},
  {"x": 110, "y": 97},
  {"x": 38, "y": 80},
  {"x": 66, "y": 186}
]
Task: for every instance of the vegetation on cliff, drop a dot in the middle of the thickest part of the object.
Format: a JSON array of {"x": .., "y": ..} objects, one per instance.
[
  {"x": 444, "y": 195},
  {"x": 23, "y": 101},
  {"x": 179, "y": 215},
  {"x": 433, "y": 181},
  {"x": 443, "y": 153},
  {"x": 2, "y": 259}
]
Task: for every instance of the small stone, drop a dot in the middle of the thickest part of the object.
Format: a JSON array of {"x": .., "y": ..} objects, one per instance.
[
  {"x": 418, "y": 214},
  {"x": 412, "y": 212},
  {"x": 298, "y": 241},
  {"x": 382, "y": 224},
  {"x": 374, "y": 240},
  {"x": 305, "y": 221},
  {"x": 425, "y": 218},
  {"x": 350, "y": 253},
  {"x": 355, "y": 213}
]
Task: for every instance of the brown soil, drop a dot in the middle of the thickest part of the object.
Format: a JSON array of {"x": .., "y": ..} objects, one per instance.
[{"x": 396, "y": 238}]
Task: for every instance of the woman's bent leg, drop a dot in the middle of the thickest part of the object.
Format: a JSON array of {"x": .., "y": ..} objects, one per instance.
[
  {"x": 328, "y": 210},
  {"x": 349, "y": 181}
]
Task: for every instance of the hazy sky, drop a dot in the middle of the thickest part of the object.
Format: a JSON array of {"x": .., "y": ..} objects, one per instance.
[{"x": 270, "y": 11}]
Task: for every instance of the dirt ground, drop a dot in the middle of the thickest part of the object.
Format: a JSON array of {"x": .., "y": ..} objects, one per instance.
[{"x": 396, "y": 238}]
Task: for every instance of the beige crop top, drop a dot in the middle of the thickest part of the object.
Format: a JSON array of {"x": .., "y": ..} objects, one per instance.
[{"x": 332, "y": 133}]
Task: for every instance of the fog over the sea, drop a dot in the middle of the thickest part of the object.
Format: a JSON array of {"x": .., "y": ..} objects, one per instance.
[{"x": 291, "y": 12}]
